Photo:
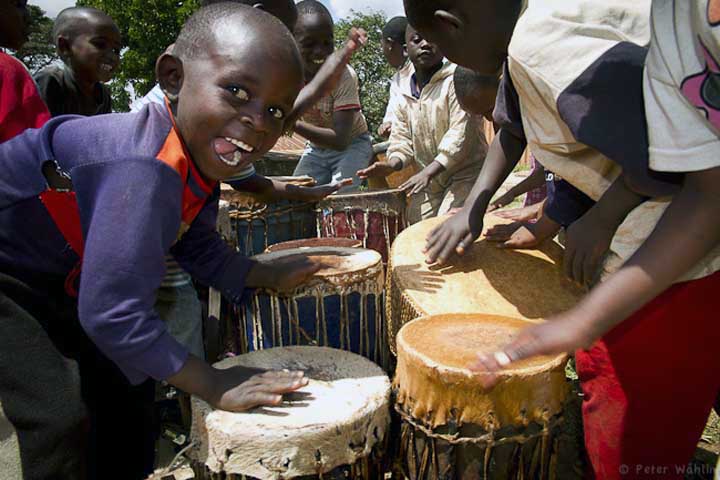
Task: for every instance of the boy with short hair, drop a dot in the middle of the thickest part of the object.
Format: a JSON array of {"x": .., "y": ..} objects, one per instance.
[
  {"x": 20, "y": 104},
  {"x": 88, "y": 42},
  {"x": 338, "y": 138},
  {"x": 108, "y": 198},
  {"x": 393, "y": 47},
  {"x": 655, "y": 312},
  {"x": 432, "y": 130}
]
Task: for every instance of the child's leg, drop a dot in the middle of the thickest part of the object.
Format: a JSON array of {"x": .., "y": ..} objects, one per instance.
[
  {"x": 39, "y": 387},
  {"x": 650, "y": 384},
  {"x": 356, "y": 157},
  {"x": 315, "y": 163}
]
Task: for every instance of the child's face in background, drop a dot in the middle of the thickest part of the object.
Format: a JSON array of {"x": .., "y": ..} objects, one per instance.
[
  {"x": 233, "y": 103},
  {"x": 94, "y": 54},
  {"x": 423, "y": 54},
  {"x": 14, "y": 23},
  {"x": 393, "y": 52},
  {"x": 316, "y": 40},
  {"x": 471, "y": 33}
]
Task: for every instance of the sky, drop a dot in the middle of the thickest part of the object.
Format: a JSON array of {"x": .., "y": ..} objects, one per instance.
[{"x": 339, "y": 8}]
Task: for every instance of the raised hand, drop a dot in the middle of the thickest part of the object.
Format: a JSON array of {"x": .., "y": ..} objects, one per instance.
[
  {"x": 316, "y": 193},
  {"x": 417, "y": 183},
  {"x": 505, "y": 199},
  {"x": 524, "y": 214},
  {"x": 377, "y": 169}
]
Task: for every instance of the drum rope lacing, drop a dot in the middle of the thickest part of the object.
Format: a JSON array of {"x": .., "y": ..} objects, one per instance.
[{"x": 487, "y": 439}]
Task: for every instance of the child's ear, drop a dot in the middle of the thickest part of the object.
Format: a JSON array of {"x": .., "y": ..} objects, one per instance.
[
  {"x": 169, "y": 72},
  {"x": 448, "y": 20},
  {"x": 63, "y": 47}
]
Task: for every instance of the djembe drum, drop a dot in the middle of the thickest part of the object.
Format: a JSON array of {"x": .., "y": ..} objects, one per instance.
[
  {"x": 334, "y": 428},
  {"x": 340, "y": 306},
  {"x": 524, "y": 284},
  {"x": 315, "y": 242},
  {"x": 453, "y": 427},
  {"x": 257, "y": 225},
  {"x": 374, "y": 217}
]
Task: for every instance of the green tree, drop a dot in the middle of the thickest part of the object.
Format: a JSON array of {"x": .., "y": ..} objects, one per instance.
[
  {"x": 373, "y": 71},
  {"x": 39, "y": 51},
  {"x": 147, "y": 27}
]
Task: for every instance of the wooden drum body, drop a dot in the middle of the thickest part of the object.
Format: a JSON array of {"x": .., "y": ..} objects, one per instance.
[
  {"x": 375, "y": 218},
  {"x": 524, "y": 284},
  {"x": 255, "y": 225},
  {"x": 333, "y": 428},
  {"x": 340, "y": 306},
  {"x": 453, "y": 427}
]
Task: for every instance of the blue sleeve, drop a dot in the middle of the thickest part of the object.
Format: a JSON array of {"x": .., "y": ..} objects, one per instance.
[
  {"x": 211, "y": 261},
  {"x": 566, "y": 204},
  {"x": 507, "y": 113},
  {"x": 130, "y": 213}
]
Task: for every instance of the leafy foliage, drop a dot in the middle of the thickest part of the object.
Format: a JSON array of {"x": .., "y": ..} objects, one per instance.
[
  {"x": 147, "y": 27},
  {"x": 373, "y": 71},
  {"x": 39, "y": 51}
]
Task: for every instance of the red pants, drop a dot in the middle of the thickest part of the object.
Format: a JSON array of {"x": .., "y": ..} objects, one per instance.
[{"x": 650, "y": 383}]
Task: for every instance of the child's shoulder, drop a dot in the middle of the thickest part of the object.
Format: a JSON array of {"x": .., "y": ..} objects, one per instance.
[{"x": 11, "y": 67}]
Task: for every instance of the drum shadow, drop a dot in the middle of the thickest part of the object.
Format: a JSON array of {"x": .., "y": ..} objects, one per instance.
[
  {"x": 419, "y": 278},
  {"x": 535, "y": 286}
]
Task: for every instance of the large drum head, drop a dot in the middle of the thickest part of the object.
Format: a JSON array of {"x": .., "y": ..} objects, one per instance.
[
  {"x": 454, "y": 341},
  {"x": 337, "y": 419},
  {"x": 434, "y": 382}
]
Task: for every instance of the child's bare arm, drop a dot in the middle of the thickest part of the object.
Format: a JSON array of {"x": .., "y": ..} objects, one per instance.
[
  {"x": 687, "y": 232},
  {"x": 589, "y": 237},
  {"x": 459, "y": 231},
  {"x": 535, "y": 180},
  {"x": 328, "y": 76},
  {"x": 336, "y": 138}
]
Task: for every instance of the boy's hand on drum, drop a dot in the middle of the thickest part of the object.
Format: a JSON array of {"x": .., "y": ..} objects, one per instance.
[
  {"x": 564, "y": 333},
  {"x": 524, "y": 214},
  {"x": 314, "y": 194},
  {"x": 588, "y": 239},
  {"x": 380, "y": 169},
  {"x": 284, "y": 274},
  {"x": 241, "y": 388},
  {"x": 523, "y": 235},
  {"x": 417, "y": 183},
  {"x": 455, "y": 235}
]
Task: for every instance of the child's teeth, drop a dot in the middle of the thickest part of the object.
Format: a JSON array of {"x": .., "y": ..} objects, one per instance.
[{"x": 240, "y": 144}]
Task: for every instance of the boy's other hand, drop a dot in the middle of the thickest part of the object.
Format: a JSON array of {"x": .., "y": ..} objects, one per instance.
[
  {"x": 524, "y": 214},
  {"x": 523, "y": 235},
  {"x": 564, "y": 333},
  {"x": 384, "y": 129},
  {"x": 455, "y": 235},
  {"x": 357, "y": 38},
  {"x": 284, "y": 274},
  {"x": 377, "y": 169},
  {"x": 417, "y": 183},
  {"x": 588, "y": 239},
  {"x": 504, "y": 199},
  {"x": 241, "y": 388}
]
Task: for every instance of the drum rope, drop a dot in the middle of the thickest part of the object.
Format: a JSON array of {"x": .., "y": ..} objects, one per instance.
[{"x": 487, "y": 439}]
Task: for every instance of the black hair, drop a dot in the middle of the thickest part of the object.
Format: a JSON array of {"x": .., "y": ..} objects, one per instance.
[
  {"x": 468, "y": 82},
  {"x": 284, "y": 10},
  {"x": 70, "y": 21},
  {"x": 313, "y": 7},
  {"x": 394, "y": 29},
  {"x": 199, "y": 31},
  {"x": 420, "y": 12}
]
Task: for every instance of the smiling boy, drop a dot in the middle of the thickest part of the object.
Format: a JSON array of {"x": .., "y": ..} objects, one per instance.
[
  {"x": 88, "y": 42},
  {"x": 90, "y": 207}
]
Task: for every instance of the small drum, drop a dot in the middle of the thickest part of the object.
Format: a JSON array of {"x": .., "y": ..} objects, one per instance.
[
  {"x": 257, "y": 225},
  {"x": 525, "y": 284},
  {"x": 315, "y": 242},
  {"x": 452, "y": 428},
  {"x": 373, "y": 217},
  {"x": 339, "y": 306},
  {"x": 333, "y": 428}
]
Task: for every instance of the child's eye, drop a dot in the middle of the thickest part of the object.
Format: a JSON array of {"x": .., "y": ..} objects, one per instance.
[
  {"x": 276, "y": 113},
  {"x": 239, "y": 92}
]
